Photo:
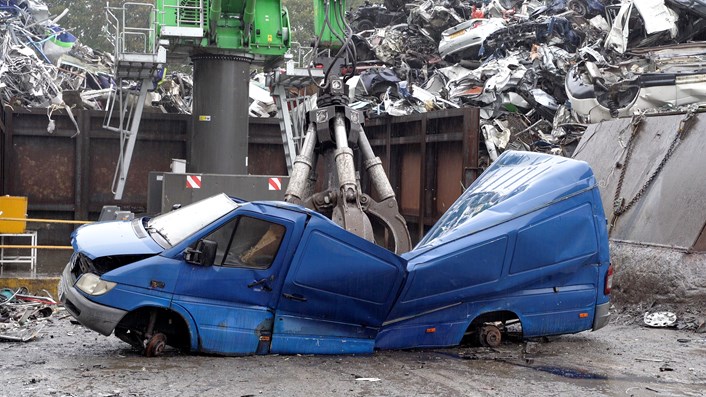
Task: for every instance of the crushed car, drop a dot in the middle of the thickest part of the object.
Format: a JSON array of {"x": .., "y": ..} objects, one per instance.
[
  {"x": 659, "y": 79},
  {"x": 370, "y": 16},
  {"x": 524, "y": 249},
  {"x": 464, "y": 41}
]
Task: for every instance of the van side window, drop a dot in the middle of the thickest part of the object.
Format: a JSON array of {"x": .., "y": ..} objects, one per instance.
[
  {"x": 222, "y": 236},
  {"x": 255, "y": 243}
]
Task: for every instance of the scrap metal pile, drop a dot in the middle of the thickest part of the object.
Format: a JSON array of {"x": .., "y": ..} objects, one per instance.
[
  {"x": 22, "y": 316},
  {"x": 538, "y": 70},
  {"x": 43, "y": 65}
]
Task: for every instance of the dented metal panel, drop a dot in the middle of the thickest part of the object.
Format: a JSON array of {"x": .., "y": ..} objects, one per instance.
[
  {"x": 527, "y": 238},
  {"x": 672, "y": 210}
]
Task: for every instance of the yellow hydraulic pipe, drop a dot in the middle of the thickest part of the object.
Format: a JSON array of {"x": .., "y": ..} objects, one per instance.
[
  {"x": 37, "y": 220},
  {"x": 43, "y": 247}
]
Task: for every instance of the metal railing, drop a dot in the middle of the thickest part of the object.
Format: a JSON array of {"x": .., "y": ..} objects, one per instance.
[
  {"x": 138, "y": 56},
  {"x": 127, "y": 34},
  {"x": 189, "y": 13}
]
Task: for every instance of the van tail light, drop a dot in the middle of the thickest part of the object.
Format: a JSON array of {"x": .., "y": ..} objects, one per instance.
[{"x": 608, "y": 280}]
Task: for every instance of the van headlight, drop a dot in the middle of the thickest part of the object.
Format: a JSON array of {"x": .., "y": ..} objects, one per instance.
[{"x": 93, "y": 285}]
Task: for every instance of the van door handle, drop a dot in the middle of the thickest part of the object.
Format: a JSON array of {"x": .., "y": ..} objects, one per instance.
[
  {"x": 262, "y": 283},
  {"x": 294, "y": 297}
]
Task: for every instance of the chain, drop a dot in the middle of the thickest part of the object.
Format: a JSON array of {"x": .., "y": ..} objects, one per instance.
[
  {"x": 636, "y": 122},
  {"x": 619, "y": 206}
]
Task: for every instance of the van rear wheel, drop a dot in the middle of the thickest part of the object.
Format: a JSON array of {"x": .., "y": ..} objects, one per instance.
[
  {"x": 155, "y": 345},
  {"x": 490, "y": 336}
]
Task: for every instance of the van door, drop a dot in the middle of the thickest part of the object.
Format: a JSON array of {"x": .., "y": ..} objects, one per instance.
[
  {"x": 338, "y": 291},
  {"x": 232, "y": 302}
]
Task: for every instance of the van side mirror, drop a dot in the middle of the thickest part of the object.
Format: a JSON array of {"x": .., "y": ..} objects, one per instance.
[{"x": 203, "y": 255}]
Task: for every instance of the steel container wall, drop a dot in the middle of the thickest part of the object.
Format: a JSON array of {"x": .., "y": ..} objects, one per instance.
[{"x": 428, "y": 158}]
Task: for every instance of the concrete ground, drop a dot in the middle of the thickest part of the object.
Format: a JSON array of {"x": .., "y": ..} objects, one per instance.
[{"x": 619, "y": 360}]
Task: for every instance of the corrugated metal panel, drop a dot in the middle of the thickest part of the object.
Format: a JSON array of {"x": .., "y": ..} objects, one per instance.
[{"x": 673, "y": 209}]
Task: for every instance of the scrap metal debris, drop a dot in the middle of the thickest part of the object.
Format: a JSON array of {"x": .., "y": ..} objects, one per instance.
[
  {"x": 22, "y": 316},
  {"x": 540, "y": 70},
  {"x": 43, "y": 65}
]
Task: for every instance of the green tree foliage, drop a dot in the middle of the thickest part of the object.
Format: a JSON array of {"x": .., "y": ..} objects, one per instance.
[{"x": 87, "y": 19}]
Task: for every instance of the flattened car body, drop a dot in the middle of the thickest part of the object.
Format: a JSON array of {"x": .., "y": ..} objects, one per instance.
[
  {"x": 660, "y": 79},
  {"x": 527, "y": 240},
  {"x": 464, "y": 40}
]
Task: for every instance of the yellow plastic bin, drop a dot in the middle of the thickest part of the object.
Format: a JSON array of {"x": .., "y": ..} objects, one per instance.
[{"x": 16, "y": 208}]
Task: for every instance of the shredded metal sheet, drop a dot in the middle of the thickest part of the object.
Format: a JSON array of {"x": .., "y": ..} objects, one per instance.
[
  {"x": 542, "y": 73},
  {"x": 22, "y": 316},
  {"x": 42, "y": 65}
]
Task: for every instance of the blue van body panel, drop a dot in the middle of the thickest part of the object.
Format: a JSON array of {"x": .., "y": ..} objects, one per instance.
[
  {"x": 527, "y": 238},
  {"x": 344, "y": 287},
  {"x": 156, "y": 274},
  {"x": 91, "y": 239}
]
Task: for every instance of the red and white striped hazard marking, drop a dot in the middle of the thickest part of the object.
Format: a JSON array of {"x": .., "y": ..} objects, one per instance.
[
  {"x": 275, "y": 184},
  {"x": 193, "y": 181}
]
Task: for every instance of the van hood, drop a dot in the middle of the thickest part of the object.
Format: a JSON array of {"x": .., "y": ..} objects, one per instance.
[{"x": 114, "y": 238}]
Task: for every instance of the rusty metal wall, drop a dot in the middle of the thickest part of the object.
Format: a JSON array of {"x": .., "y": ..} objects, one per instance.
[
  {"x": 72, "y": 173},
  {"x": 69, "y": 177},
  {"x": 672, "y": 211},
  {"x": 62, "y": 172},
  {"x": 428, "y": 158}
]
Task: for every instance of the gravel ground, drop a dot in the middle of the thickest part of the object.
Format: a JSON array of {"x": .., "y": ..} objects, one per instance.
[{"x": 619, "y": 360}]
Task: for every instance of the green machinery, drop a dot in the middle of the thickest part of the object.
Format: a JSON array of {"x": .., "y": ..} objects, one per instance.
[
  {"x": 256, "y": 27},
  {"x": 259, "y": 28},
  {"x": 223, "y": 39}
]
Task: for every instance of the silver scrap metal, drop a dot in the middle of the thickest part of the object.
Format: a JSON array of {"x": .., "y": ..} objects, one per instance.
[
  {"x": 660, "y": 319},
  {"x": 43, "y": 65},
  {"x": 539, "y": 70},
  {"x": 544, "y": 69},
  {"x": 23, "y": 316}
]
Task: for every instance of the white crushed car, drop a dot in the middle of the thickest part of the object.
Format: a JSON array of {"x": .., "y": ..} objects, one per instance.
[{"x": 464, "y": 40}]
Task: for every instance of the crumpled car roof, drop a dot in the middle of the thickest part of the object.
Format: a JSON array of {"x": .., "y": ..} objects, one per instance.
[{"x": 516, "y": 184}]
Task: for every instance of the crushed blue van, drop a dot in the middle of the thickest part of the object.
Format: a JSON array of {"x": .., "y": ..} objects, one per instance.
[{"x": 524, "y": 248}]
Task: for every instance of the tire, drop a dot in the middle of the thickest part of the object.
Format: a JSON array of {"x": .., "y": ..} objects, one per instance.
[
  {"x": 363, "y": 24},
  {"x": 577, "y": 6}
]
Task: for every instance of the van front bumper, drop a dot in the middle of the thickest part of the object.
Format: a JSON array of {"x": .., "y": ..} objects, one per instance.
[
  {"x": 100, "y": 318},
  {"x": 602, "y": 316}
]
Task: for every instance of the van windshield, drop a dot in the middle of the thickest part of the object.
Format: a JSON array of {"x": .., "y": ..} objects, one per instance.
[{"x": 179, "y": 224}]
